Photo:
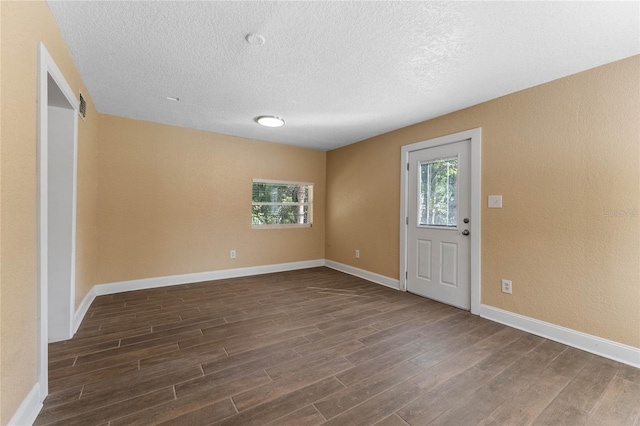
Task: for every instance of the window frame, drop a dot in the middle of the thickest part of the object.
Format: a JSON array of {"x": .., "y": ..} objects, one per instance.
[
  {"x": 308, "y": 203},
  {"x": 434, "y": 226}
]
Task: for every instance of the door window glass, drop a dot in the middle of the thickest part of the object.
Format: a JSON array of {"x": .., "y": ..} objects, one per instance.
[{"x": 438, "y": 193}]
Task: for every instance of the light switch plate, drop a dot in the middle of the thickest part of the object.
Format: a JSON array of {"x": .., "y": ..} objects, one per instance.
[{"x": 495, "y": 201}]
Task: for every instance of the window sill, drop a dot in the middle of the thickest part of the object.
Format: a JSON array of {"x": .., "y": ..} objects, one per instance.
[{"x": 287, "y": 226}]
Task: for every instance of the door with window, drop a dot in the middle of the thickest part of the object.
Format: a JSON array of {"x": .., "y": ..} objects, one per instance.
[{"x": 438, "y": 249}]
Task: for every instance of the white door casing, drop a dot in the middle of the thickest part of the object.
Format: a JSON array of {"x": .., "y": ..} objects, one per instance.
[
  {"x": 438, "y": 262},
  {"x": 54, "y": 95},
  {"x": 447, "y": 240}
]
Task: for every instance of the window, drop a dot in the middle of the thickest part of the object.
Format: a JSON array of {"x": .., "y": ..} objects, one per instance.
[
  {"x": 277, "y": 204},
  {"x": 438, "y": 193}
]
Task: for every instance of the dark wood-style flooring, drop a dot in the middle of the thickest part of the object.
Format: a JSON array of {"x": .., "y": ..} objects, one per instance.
[{"x": 317, "y": 347}]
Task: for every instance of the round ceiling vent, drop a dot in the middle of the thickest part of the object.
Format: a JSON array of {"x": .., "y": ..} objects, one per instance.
[{"x": 255, "y": 39}]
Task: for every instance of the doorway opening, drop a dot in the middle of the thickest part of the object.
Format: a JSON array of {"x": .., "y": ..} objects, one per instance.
[
  {"x": 57, "y": 146},
  {"x": 440, "y": 219}
]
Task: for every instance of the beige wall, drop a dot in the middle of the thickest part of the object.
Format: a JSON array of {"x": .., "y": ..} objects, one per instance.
[
  {"x": 86, "y": 222},
  {"x": 175, "y": 201},
  {"x": 23, "y": 24},
  {"x": 562, "y": 154}
]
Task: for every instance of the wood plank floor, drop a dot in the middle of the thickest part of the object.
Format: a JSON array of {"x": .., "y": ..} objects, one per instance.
[{"x": 317, "y": 347}]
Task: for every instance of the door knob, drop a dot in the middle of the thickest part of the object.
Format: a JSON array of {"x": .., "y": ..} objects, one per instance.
[{"x": 465, "y": 232}]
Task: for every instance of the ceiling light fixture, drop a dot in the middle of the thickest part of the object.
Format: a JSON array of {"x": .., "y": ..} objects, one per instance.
[
  {"x": 171, "y": 98},
  {"x": 270, "y": 121}
]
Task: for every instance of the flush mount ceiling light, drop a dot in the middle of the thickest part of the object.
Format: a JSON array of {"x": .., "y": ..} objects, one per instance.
[
  {"x": 171, "y": 98},
  {"x": 270, "y": 121}
]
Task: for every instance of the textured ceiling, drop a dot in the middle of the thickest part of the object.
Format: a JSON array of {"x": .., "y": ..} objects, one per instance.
[{"x": 337, "y": 72}]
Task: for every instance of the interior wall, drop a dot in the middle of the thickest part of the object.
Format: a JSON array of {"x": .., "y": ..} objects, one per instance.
[
  {"x": 173, "y": 201},
  {"x": 23, "y": 24},
  {"x": 565, "y": 156}
]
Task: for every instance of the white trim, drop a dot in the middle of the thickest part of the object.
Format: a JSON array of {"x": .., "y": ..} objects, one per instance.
[
  {"x": 284, "y": 203},
  {"x": 145, "y": 283},
  {"x": 282, "y": 226},
  {"x": 74, "y": 218},
  {"x": 587, "y": 342},
  {"x": 476, "y": 208},
  {"x": 47, "y": 66},
  {"x": 361, "y": 273},
  {"x": 599, "y": 346},
  {"x": 284, "y": 182},
  {"x": 475, "y": 135},
  {"x": 43, "y": 239},
  {"x": 29, "y": 408},
  {"x": 83, "y": 308}
]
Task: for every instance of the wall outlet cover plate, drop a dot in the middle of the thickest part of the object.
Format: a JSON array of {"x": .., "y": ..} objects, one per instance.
[{"x": 495, "y": 201}]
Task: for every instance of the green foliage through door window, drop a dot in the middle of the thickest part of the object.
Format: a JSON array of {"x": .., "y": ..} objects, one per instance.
[{"x": 438, "y": 192}]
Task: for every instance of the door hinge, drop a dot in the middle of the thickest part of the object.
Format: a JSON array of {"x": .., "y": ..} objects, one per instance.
[
  {"x": 407, "y": 166},
  {"x": 406, "y": 276},
  {"x": 407, "y": 221}
]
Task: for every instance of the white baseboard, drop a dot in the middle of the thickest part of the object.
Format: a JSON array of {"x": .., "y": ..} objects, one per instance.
[
  {"x": 83, "y": 308},
  {"x": 119, "y": 287},
  {"x": 596, "y": 345},
  {"x": 29, "y": 408},
  {"x": 361, "y": 273},
  {"x": 146, "y": 283}
]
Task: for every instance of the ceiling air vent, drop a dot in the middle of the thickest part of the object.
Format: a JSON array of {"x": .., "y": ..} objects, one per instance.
[{"x": 82, "y": 107}]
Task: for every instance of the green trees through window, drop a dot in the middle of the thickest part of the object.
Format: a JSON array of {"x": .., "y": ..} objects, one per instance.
[
  {"x": 438, "y": 192},
  {"x": 287, "y": 203}
]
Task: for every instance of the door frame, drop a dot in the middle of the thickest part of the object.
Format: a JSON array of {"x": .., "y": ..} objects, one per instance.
[
  {"x": 475, "y": 136},
  {"x": 47, "y": 67}
]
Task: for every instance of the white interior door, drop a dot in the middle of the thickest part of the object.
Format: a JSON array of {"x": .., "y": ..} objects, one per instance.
[{"x": 439, "y": 216}]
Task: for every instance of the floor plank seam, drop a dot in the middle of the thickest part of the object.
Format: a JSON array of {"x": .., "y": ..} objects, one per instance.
[
  {"x": 248, "y": 330},
  {"x": 234, "y": 404}
]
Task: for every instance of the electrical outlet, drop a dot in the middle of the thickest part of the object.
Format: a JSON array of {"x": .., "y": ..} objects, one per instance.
[
  {"x": 232, "y": 254},
  {"x": 507, "y": 286},
  {"x": 357, "y": 254}
]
